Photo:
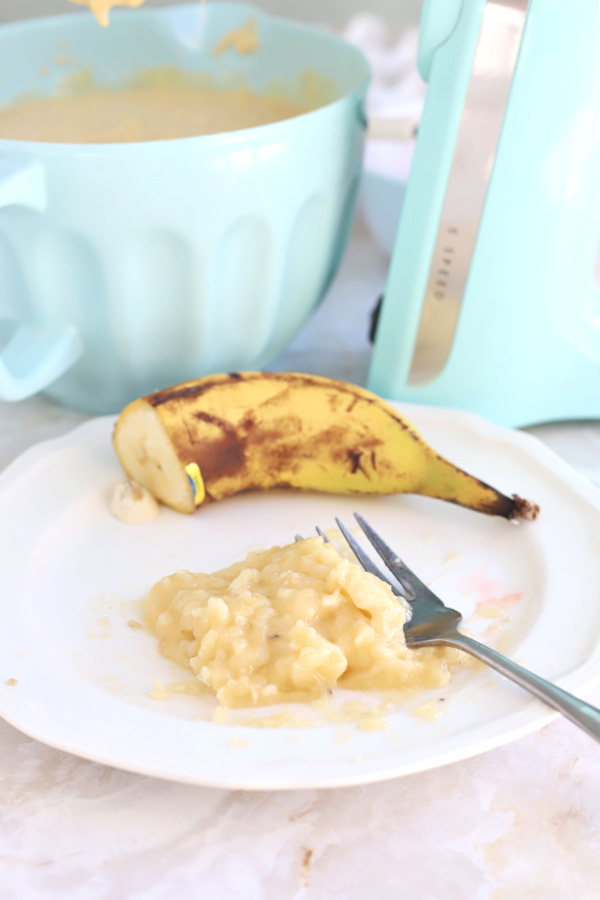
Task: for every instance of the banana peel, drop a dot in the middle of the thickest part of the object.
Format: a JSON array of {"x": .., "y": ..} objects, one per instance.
[{"x": 210, "y": 438}]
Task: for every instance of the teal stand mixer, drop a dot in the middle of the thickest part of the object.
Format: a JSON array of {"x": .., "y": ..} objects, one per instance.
[{"x": 493, "y": 296}]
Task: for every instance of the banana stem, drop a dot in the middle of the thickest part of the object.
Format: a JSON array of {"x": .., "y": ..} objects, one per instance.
[{"x": 447, "y": 482}]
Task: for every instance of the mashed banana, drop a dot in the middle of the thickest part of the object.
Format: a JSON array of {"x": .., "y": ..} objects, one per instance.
[
  {"x": 133, "y": 504},
  {"x": 288, "y": 624}
]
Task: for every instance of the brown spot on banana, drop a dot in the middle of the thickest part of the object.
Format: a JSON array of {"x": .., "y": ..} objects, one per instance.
[
  {"x": 354, "y": 457},
  {"x": 223, "y": 454}
]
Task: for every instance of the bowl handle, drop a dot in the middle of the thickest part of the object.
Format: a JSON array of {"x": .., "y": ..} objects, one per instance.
[{"x": 36, "y": 355}]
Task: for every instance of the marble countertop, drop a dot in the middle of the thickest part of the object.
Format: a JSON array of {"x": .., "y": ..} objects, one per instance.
[{"x": 522, "y": 821}]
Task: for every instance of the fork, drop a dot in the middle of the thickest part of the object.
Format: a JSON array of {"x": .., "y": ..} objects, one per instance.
[{"x": 433, "y": 623}]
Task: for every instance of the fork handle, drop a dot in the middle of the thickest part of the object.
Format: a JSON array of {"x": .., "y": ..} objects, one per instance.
[{"x": 578, "y": 711}]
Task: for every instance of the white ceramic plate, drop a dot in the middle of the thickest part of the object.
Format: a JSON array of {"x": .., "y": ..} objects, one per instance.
[{"x": 73, "y": 576}]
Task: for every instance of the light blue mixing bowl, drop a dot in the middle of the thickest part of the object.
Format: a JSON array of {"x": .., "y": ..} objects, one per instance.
[{"x": 128, "y": 267}]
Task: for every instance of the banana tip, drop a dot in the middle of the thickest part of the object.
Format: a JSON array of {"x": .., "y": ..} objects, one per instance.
[{"x": 524, "y": 509}]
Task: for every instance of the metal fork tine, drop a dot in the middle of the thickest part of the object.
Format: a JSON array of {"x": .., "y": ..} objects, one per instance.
[
  {"x": 397, "y": 567},
  {"x": 365, "y": 561}
]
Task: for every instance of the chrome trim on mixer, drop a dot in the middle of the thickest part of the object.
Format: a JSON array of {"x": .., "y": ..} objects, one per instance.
[{"x": 495, "y": 58}]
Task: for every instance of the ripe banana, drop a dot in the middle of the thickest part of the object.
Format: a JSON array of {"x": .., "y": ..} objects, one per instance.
[{"x": 216, "y": 436}]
